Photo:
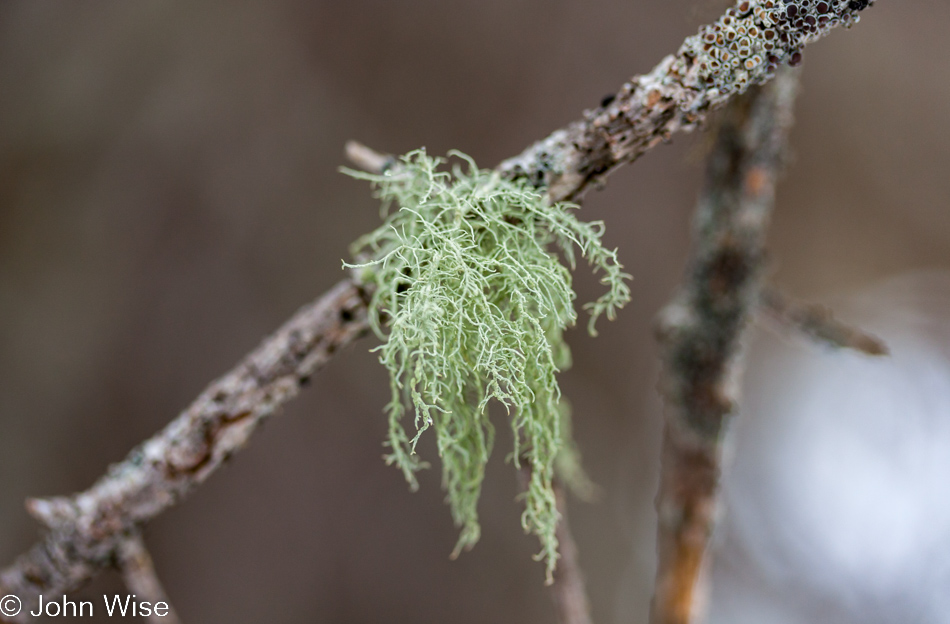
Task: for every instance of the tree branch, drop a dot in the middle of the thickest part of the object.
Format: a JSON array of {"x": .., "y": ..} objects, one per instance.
[
  {"x": 140, "y": 577},
  {"x": 819, "y": 324},
  {"x": 700, "y": 332},
  {"x": 568, "y": 589}
]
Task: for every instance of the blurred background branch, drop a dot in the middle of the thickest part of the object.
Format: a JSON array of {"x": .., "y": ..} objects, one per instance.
[
  {"x": 818, "y": 323},
  {"x": 701, "y": 331}
]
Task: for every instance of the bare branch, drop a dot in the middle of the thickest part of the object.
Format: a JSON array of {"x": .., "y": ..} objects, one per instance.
[
  {"x": 140, "y": 577},
  {"x": 700, "y": 331},
  {"x": 819, "y": 324},
  {"x": 87, "y": 530}
]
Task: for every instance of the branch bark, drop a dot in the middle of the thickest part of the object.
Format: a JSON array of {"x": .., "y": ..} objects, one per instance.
[
  {"x": 87, "y": 529},
  {"x": 701, "y": 329}
]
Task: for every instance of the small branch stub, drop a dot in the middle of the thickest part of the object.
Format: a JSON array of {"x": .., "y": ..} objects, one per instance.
[
  {"x": 138, "y": 572},
  {"x": 819, "y": 324},
  {"x": 367, "y": 159}
]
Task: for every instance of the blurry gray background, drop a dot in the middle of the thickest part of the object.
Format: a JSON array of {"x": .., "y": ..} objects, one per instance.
[{"x": 169, "y": 194}]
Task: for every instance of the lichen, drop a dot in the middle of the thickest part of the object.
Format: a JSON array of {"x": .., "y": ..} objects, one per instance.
[
  {"x": 471, "y": 299},
  {"x": 754, "y": 37}
]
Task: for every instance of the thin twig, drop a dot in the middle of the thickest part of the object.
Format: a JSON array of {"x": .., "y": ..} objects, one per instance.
[
  {"x": 140, "y": 577},
  {"x": 818, "y": 323},
  {"x": 85, "y": 530},
  {"x": 368, "y": 159},
  {"x": 567, "y": 583},
  {"x": 568, "y": 589},
  {"x": 700, "y": 331}
]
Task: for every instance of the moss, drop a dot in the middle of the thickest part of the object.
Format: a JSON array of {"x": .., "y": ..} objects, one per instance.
[{"x": 471, "y": 302}]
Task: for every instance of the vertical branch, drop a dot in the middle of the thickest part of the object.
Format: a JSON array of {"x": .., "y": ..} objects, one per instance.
[
  {"x": 570, "y": 594},
  {"x": 140, "y": 578},
  {"x": 567, "y": 581},
  {"x": 700, "y": 332}
]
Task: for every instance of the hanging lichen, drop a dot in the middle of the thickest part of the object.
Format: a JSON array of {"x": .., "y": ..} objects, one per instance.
[{"x": 471, "y": 301}]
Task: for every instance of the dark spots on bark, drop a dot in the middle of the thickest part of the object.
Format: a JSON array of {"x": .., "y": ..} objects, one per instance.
[
  {"x": 299, "y": 346},
  {"x": 698, "y": 362},
  {"x": 230, "y": 419},
  {"x": 728, "y": 271},
  {"x": 36, "y": 580},
  {"x": 702, "y": 354},
  {"x": 209, "y": 432}
]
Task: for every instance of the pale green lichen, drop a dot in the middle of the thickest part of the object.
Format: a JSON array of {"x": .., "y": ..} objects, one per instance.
[{"x": 471, "y": 301}]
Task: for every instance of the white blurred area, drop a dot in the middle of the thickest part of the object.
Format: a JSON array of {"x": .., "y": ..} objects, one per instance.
[{"x": 838, "y": 486}]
